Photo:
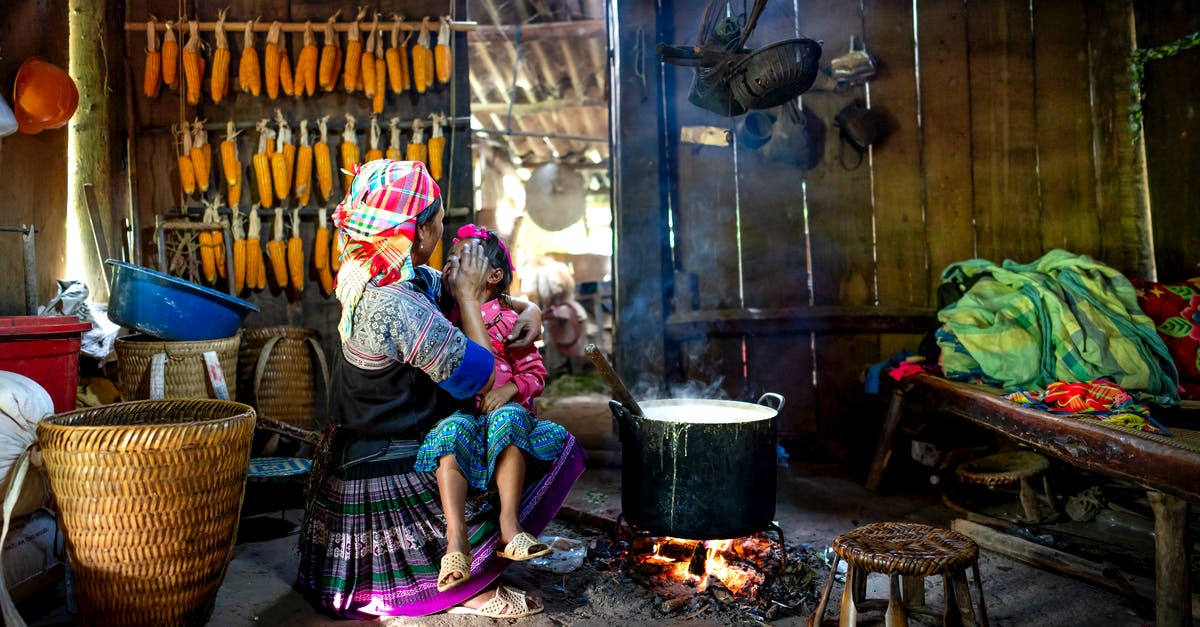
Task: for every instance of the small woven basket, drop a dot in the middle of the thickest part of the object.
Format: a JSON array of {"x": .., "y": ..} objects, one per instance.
[
  {"x": 149, "y": 495},
  {"x": 185, "y": 374},
  {"x": 277, "y": 375}
]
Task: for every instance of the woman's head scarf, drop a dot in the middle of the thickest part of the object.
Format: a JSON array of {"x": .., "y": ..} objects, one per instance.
[{"x": 377, "y": 223}]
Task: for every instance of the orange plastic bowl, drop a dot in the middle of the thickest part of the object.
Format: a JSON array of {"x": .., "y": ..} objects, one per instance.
[{"x": 44, "y": 96}]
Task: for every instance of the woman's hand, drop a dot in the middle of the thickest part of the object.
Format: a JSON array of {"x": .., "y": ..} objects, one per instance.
[
  {"x": 498, "y": 397},
  {"x": 467, "y": 275},
  {"x": 527, "y": 328}
]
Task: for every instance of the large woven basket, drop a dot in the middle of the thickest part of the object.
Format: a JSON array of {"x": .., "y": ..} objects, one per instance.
[
  {"x": 279, "y": 371},
  {"x": 149, "y": 495},
  {"x": 185, "y": 374}
]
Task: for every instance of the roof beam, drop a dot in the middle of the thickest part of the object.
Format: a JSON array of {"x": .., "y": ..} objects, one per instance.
[
  {"x": 574, "y": 29},
  {"x": 537, "y": 107}
]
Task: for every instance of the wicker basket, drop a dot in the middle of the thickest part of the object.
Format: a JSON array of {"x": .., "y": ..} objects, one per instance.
[
  {"x": 276, "y": 373},
  {"x": 149, "y": 495},
  {"x": 185, "y": 374}
]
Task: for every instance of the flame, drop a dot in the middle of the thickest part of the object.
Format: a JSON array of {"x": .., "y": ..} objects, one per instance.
[{"x": 738, "y": 580}]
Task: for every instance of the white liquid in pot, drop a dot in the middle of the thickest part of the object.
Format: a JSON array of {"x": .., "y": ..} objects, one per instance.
[{"x": 705, "y": 412}]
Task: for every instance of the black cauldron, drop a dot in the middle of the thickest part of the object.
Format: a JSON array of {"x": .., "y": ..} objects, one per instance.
[{"x": 699, "y": 469}]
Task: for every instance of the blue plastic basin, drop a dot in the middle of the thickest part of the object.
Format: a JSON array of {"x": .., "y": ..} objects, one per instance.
[{"x": 171, "y": 308}]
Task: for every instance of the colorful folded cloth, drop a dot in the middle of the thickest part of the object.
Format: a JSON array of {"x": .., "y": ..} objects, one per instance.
[{"x": 1100, "y": 400}]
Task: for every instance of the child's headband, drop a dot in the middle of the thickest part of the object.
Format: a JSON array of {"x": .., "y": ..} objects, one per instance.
[{"x": 471, "y": 231}]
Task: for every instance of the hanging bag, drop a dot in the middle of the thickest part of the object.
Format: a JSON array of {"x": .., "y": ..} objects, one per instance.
[{"x": 860, "y": 127}]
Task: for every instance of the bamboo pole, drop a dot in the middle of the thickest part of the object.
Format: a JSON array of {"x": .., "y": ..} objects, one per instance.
[{"x": 296, "y": 27}]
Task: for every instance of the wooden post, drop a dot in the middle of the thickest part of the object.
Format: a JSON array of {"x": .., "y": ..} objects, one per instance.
[
  {"x": 1171, "y": 590},
  {"x": 887, "y": 434}
]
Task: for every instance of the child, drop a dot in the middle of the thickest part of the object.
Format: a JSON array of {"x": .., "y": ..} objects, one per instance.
[{"x": 467, "y": 445}]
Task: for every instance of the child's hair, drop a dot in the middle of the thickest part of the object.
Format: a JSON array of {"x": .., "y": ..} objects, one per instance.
[{"x": 496, "y": 253}]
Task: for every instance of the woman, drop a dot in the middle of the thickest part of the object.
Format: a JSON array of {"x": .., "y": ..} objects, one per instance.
[{"x": 373, "y": 527}]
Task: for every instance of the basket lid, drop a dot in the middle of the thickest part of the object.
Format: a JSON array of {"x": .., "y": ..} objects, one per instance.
[{"x": 35, "y": 326}]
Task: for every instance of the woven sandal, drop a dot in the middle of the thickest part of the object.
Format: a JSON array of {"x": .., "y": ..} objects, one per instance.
[
  {"x": 524, "y": 547},
  {"x": 506, "y": 603},
  {"x": 453, "y": 563}
]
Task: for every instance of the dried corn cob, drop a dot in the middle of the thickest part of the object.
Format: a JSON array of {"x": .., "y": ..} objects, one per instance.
[
  {"x": 208, "y": 263},
  {"x": 351, "y": 75},
  {"x": 378, "y": 100},
  {"x": 436, "y": 146},
  {"x": 277, "y": 252},
  {"x": 239, "y": 250},
  {"x": 306, "y": 63},
  {"x": 191, "y": 64},
  {"x": 152, "y": 78},
  {"x": 331, "y": 54},
  {"x": 256, "y": 275},
  {"x": 249, "y": 76},
  {"x": 321, "y": 242},
  {"x": 367, "y": 68},
  {"x": 287, "y": 80},
  {"x": 201, "y": 156},
  {"x": 283, "y": 159},
  {"x": 187, "y": 173},
  {"x": 271, "y": 61},
  {"x": 219, "y": 87},
  {"x": 441, "y": 52},
  {"x": 422, "y": 60},
  {"x": 350, "y": 152},
  {"x": 229, "y": 158},
  {"x": 170, "y": 57},
  {"x": 219, "y": 240},
  {"x": 373, "y": 151},
  {"x": 335, "y": 255},
  {"x": 262, "y": 166},
  {"x": 322, "y": 161},
  {"x": 393, "y": 151},
  {"x": 304, "y": 163},
  {"x": 326, "y": 278},
  {"x": 417, "y": 151},
  {"x": 295, "y": 254},
  {"x": 397, "y": 59}
]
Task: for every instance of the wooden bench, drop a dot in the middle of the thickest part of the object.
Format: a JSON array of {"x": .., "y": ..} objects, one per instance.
[{"x": 1167, "y": 467}]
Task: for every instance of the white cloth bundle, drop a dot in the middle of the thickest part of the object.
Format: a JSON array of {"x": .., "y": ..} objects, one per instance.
[{"x": 23, "y": 404}]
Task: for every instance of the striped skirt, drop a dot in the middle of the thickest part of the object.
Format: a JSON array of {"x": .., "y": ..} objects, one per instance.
[
  {"x": 476, "y": 441},
  {"x": 373, "y": 534}
]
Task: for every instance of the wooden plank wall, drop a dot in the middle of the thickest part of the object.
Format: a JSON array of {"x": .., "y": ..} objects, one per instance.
[
  {"x": 1001, "y": 144},
  {"x": 33, "y": 188},
  {"x": 157, "y": 178}
]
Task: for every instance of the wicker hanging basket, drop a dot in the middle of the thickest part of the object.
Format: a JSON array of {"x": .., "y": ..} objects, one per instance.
[
  {"x": 184, "y": 373},
  {"x": 277, "y": 376},
  {"x": 149, "y": 495}
]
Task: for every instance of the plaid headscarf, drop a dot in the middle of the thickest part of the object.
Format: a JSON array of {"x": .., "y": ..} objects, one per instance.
[{"x": 377, "y": 223}]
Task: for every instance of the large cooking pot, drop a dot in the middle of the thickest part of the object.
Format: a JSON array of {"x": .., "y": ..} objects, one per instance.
[{"x": 699, "y": 469}]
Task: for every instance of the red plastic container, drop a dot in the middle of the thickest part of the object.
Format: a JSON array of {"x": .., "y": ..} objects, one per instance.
[{"x": 45, "y": 349}]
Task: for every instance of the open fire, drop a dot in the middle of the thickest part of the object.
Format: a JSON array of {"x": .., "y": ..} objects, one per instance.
[{"x": 739, "y": 566}]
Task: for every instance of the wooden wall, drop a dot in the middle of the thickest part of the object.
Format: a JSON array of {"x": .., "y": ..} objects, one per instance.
[
  {"x": 33, "y": 168},
  {"x": 1007, "y": 138},
  {"x": 157, "y": 179}
]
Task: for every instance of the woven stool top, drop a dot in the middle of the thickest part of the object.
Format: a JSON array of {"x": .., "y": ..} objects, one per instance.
[
  {"x": 1002, "y": 468},
  {"x": 906, "y": 548}
]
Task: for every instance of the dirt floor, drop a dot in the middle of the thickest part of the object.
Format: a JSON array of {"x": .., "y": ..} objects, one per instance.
[{"x": 815, "y": 504}]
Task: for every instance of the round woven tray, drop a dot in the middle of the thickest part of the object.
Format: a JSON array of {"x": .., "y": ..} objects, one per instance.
[
  {"x": 277, "y": 375},
  {"x": 906, "y": 548},
  {"x": 149, "y": 495},
  {"x": 1002, "y": 469},
  {"x": 185, "y": 375}
]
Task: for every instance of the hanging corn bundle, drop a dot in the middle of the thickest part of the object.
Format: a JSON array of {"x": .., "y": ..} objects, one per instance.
[
  {"x": 192, "y": 72},
  {"x": 437, "y": 146},
  {"x": 350, "y": 152},
  {"x": 304, "y": 165},
  {"x": 422, "y": 60},
  {"x": 277, "y": 252},
  {"x": 295, "y": 254},
  {"x": 306, "y": 63},
  {"x": 393, "y": 151},
  {"x": 231, "y": 166},
  {"x": 152, "y": 78},
  {"x": 239, "y": 249},
  {"x": 256, "y": 270},
  {"x": 378, "y": 100},
  {"x": 397, "y": 59},
  {"x": 170, "y": 57},
  {"x": 283, "y": 160},
  {"x": 367, "y": 66},
  {"x": 219, "y": 87},
  {"x": 417, "y": 151},
  {"x": 271, "y": 61},
  {"x": 331, "y": 57},
  {"x": 351, "y": 75},
  {"x": 249, "y": 74},
  {"x": 208, "y": 253},
  {"x": 323, "y": 162},
  {"x": 262, "y": 164},
  {"x": 321, "y": 253},
  {"x": 201, "y": 154},
  {"x": 187, "y": 173},
  {"x": 287, "y": 80},
  {"x": 441, "y": 52},
  {"x": 373, "y": 150}
]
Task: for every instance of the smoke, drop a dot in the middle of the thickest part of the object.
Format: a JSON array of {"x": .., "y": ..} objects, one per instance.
[{"x": 689, "y": 389}]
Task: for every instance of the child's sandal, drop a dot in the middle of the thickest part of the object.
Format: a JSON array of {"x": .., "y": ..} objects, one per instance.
[{"x": 454, "y": 563}]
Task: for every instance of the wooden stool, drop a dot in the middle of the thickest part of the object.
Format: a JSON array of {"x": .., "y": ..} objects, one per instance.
[
  {"x": 907, "y": 553},
  {"x": 1005, "y": 469}
]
